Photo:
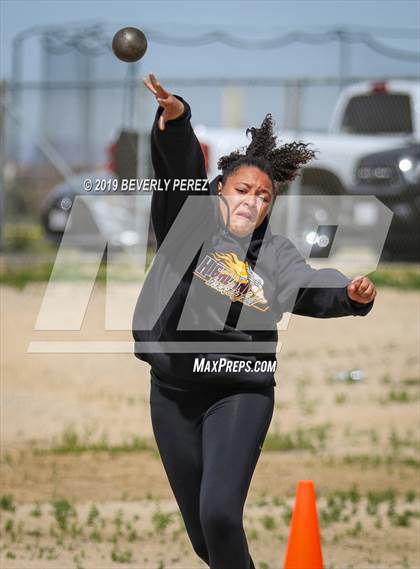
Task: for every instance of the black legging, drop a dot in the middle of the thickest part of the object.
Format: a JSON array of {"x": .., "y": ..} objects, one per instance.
[{"x": 210, "y": 441}]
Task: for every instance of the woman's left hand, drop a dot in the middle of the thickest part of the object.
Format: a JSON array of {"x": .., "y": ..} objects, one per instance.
[{"x": 361, "y": 289}]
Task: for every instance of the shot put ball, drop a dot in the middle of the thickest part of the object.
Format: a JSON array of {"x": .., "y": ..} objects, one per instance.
[{"x": 129, "y": 44}]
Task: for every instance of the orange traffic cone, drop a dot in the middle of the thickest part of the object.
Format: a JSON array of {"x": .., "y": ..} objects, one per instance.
[{"x": 304, "y": 545}]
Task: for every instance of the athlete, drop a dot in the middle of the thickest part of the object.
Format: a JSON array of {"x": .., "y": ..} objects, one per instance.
[{"x": 222, "y": 278}]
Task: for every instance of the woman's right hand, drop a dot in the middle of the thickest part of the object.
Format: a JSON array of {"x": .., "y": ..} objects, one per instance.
[{"x": 172, "y": 107}]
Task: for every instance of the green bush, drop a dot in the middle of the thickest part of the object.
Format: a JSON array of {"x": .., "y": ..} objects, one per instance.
[{"x": 19, "y": 237}]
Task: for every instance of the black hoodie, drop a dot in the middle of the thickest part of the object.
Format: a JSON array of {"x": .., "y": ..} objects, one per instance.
[{"x": 237, "y": 287}]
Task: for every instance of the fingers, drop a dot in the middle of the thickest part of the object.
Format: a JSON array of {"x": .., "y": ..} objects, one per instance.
[
  {"x": 161, "y": 92},
  {"x": 163, "y": 102},
  {"x": 368, "y": 293},
  {"x": 363, "y": 287},
  {"x": 161, "y": 122},
  {"x": 368, "y": 290},
  {"x": 353, "y": 286},
  {"x": 155, "y": 87},
  {"x": 172, "y": 107},
  {"x": 149, "y": 85}
]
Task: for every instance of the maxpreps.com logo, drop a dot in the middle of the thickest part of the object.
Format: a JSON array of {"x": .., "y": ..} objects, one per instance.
[{"x": 227, "y": 274}]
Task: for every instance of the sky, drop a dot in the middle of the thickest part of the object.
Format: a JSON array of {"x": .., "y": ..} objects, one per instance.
[
  {"x": 245, "y": 19},
  {"x": 393, "y": 23}
]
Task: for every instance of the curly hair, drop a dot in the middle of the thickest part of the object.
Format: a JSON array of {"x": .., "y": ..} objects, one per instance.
[{"x": 281, "y": 164}]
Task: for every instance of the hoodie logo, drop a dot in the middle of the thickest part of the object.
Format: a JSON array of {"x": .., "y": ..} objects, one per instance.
[{"x": 228, "y": 275}]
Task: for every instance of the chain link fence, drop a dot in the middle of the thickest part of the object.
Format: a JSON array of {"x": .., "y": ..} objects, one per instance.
[{"x": 67, "y": 122}]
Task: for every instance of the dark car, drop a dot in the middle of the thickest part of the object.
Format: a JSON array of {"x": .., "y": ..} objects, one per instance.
[
  {"x": 393, "y": 176},
  {"x": 114, "y": 219},
  {"x": 119, "y": 221},
  {"x": 59, "y": 202}
]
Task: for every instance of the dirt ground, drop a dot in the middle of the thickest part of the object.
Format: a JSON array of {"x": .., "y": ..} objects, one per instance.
[{"x": 68, "y": 503}]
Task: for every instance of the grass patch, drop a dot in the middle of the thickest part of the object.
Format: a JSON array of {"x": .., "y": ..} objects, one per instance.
[
  {"x": 161, "y": 521},
  {"x": 7, "y": 503},
  {"x": 25, "y": 237},
  {"x": 79, "y": 533},
  {"x": 399, "y": 396},
  {"x": 268, "y": 522},
  {"x": 352, "y": 495},
  {"x": 72, "y": 443},
  {"x": 312, "y": 438},
  {"x": 19, "y": 277},
  {"x": 372, "y": 461},
  {"x": 41, "y": 272},
  {"x": 20, "y": 270},
  {"x": 36, "y": 512},
  {"x": 28, "y": 270},
  {"x": 402, "y": 277},
  {"x": 411, "y": 382},
  {"x": 340, "y": 398},
  {"x": 119, "y": 556},
  {"x": 398, "y": 442},
  {"x": 63, "y": 513}
]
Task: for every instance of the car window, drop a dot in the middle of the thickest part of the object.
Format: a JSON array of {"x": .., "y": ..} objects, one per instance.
[{"x": 378, "y": 113}]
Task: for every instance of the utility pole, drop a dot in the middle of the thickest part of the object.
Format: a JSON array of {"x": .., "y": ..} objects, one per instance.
[
  {"x": 3, "y": 91},
  {"x": 343, "y": 37}
]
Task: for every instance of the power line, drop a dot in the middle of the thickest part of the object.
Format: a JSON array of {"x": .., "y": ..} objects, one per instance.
[
  {"x": 95, "y": 41},
  {"x": 388, "y": 51}
]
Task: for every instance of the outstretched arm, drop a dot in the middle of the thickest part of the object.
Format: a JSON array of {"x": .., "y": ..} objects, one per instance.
[
  {"x": 322, "y": 293},
  {"x": 331, "y": 302},
  {"x": 176, "y": 155}
]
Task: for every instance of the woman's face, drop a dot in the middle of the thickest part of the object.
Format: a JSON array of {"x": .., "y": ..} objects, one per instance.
[{"x": 249, "y": 193}]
